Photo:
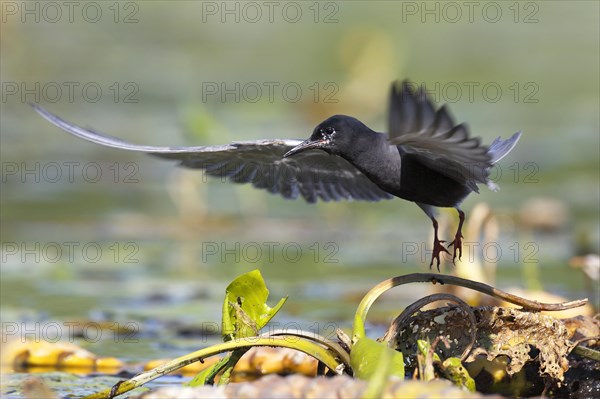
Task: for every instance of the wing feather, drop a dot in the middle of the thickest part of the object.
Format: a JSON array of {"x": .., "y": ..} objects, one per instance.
[
  {"x": 434, "y": 139},
  {"x": 312, "y": 175}
]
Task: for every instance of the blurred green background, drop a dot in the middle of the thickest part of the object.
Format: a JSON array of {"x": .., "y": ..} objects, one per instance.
[{"x": 169, "y": 241}]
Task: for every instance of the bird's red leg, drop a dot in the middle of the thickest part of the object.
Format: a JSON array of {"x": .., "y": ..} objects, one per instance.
[
  {"x": 458, "y": 237},
  {"x": 437, "y": 246}
]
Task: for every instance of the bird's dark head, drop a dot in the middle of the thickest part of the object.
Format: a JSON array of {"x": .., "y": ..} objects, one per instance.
[{"x": 335, "y": 135}]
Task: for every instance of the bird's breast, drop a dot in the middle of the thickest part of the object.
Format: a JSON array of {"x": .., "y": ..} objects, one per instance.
[{"x": 421, "y": 184}]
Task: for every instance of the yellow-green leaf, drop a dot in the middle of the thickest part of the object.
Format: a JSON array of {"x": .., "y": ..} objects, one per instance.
[
  {"x": 424, "y": 347},
  {"x": 455, "y": 371},
  {"x": 367, "y": 356},
  {"x": 245, "y": 309},
  {"x": 207, "y": 375}
]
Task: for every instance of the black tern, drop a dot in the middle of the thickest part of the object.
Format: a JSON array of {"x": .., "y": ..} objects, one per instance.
[{"x": 425, "y": 158}]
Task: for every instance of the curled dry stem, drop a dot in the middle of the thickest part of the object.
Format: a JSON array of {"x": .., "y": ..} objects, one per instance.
[
  {"x": 410, "y": 310},
  {"x": 375, "y": 292}
]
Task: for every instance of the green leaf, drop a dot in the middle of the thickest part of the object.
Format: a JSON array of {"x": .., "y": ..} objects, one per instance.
[
  {"x": 425, "y": 360},
  {"x": 232, "y": 360},
  {"x": 455, "y": 371},
  {"x": 370, "y": 358},
  {"x": 245, "y": 309},
  {"x": 424, "y": 347},
  {"x": 207, "y": 375}
]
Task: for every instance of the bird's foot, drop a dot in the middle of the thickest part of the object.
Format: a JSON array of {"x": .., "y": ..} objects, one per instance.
[
  {"x": 457, "y": 246},
  {"x": 438, "y": 248}
]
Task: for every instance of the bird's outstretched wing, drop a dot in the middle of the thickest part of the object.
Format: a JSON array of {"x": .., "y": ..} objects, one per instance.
[
  {"x": 432, "y": 136},
  {"x": 312, "y": 174}
]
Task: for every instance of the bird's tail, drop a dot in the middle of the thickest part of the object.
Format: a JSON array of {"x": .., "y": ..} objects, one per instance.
[{"x": 500, "y": 148}]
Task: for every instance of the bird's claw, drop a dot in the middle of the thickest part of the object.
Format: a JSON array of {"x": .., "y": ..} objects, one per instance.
[
  {"x": 438, "y": 247},
  {"x": 457, "y": 247}
]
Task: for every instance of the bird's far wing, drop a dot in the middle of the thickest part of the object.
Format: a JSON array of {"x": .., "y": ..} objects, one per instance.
[
  {"x": 312, "y": 175},
  {"x": 433, "y": 137}
]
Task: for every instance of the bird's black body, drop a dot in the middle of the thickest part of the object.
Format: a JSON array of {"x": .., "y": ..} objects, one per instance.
[
  {"x": 424, "y": 158},
  {"x": 394, "y": 170},
  {"x": 423, "y": 185}
]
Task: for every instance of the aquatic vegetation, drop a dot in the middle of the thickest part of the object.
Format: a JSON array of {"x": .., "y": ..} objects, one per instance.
[{"x": 455, "y": 342}]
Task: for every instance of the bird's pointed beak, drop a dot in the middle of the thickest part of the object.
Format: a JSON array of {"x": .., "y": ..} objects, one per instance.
[{"x": 305, "y": 145}]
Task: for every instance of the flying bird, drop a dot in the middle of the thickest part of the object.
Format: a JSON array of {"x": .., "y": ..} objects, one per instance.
[{"x": 425, "y": 158}]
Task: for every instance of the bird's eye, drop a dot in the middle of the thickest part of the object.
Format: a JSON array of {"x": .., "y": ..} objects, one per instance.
[{"x": 329, "y": 130}]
